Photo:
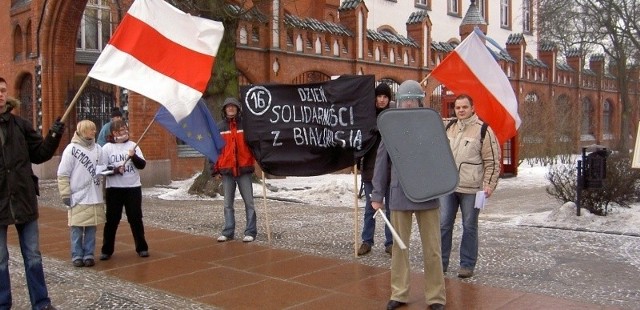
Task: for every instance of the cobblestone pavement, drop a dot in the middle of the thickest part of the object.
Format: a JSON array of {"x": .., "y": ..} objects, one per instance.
[{"x": 584, "y": 266}]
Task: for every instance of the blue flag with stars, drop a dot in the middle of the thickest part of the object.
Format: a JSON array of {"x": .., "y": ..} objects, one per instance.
[{"x": 197, "y": 129}]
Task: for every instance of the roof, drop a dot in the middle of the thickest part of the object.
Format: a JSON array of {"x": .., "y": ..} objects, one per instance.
[
  {"x": 390, "y": 38},
  {"x": 417, "y": 17},
  {"x": 349, "y": 5},
  {"x": 546, "y": 46},
  {"x": 564, "y": 67},
  {"x": 316, "y": 25},
  {"x": 535, "y": 62},
  {"x": 444, "y": 47},
  {"x": 473, "y": 16},
  {"x": 515, "y": 39},
  {"x": 252, "y": 14}
]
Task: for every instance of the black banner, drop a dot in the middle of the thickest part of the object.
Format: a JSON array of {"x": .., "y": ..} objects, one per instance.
[{"x": 309, "y": 129}]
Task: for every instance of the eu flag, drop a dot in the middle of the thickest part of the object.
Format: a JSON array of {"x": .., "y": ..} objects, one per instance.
[{"x": 197, "y": 129}]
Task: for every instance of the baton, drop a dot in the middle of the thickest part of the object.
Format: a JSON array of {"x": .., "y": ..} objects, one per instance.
[{"x": 396, "y": 237}]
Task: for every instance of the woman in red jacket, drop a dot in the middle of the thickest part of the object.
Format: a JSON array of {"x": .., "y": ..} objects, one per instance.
[{"x": 235, "y": 166}]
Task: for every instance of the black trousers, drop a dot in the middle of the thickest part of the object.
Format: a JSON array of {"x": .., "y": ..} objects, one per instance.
[{"x": 131, "y": 199}]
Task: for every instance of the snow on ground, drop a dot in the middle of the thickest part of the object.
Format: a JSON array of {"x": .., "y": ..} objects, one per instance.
[{"x": 337, "y": 190}]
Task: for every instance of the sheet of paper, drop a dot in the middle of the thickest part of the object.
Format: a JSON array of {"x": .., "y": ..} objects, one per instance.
[{"x": 480, "y": 200}]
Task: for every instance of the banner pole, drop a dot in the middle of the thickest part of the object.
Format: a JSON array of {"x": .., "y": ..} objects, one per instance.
[
  {"x": 355, "y": 212},
  {"x": 264, "y": 206}
]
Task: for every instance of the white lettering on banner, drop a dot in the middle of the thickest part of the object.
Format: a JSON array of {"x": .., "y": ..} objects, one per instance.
[
  {"x": 324, "y": 123},
  {"x": 275, "y": 134},
  {"x": 312, "y": 94},
  {"x": 325, "y": 137},
  {"x": 343, "y": 116}
]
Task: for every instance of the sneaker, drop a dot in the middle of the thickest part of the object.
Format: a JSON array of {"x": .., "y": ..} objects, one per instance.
[
  {"x": 465, "y": 273},
  {"x": 247, "y": 239},
  {"x": 389, "y": 249},
  {"x": 223, "y": 238},
  {"x": 49, "y": 307},
  {"x": 78, "y": 263},
  {"x": 89, "y": 262},
  {"x": 143, "y": 253},
  {"x": 365, "y": 248},
  {"x": 105, "y": 256}
]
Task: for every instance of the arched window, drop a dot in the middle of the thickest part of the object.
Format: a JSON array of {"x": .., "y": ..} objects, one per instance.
[
  {"x": 586, "y": 127},
  {"x": 607, "y": 117},
  {"x": 243, "y": 35},
  {"x": 95, "y": 27},
  {"x": 18, "y": 47}
]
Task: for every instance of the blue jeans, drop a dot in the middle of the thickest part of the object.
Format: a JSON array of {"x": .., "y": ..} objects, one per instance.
[
  {"x": 245, "y": 186},
  {"x": 469, "y": 245},
  {"x": 83, "y": 242},
  {"x": 29, "y": 246},
  {"x": 369, "y": 226}
]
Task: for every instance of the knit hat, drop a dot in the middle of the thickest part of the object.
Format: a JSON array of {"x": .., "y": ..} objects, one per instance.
[
  {"x": 115, "y": 111},
  {"x": 383, "y": 89}
]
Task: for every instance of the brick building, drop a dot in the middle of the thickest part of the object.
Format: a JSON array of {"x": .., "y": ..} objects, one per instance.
[{"x": 49, "y": 46}]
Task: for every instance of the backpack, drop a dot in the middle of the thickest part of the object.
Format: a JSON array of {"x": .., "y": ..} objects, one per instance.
[{"x": 483, "y": 129}]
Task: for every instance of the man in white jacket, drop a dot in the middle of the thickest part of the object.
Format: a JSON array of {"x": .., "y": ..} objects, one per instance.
[{"x": 477, "y": 155}]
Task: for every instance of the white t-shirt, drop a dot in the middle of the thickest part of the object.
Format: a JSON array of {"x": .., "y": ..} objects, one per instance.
[
  {"x": 116, "y": 154},
  {"x": 81, "y": 166}
]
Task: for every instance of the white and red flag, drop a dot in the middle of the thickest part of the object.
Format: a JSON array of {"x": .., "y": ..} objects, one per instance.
[
  {"x": 471, "y": 69},
  {"x": 161, "y": 53}
]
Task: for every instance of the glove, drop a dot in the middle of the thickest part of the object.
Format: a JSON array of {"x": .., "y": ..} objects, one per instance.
[
  {"x": 58, "y": 127},
  {"x": 66, "y": 201}
]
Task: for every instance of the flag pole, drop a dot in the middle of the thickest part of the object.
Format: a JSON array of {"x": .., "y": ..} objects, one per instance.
[
  {"x": 425, "y": 78},
  {"x": 75, "y": 99},
  {"x": 355, "y": 212},
  {"x": 73, "y": 102},
  {"x": 140, "y": 139},
  {"x": 264, "y": 206}
]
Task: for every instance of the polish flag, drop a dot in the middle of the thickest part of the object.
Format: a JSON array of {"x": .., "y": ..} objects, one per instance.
[
  {"x": 161, "y": 53},
  {"x": 471, "y": 69}
]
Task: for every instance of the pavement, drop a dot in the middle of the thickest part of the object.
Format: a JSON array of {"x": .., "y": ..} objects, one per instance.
[{"x": 304, "y": 258}]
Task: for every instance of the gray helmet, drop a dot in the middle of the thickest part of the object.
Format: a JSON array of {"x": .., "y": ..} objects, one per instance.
[{"x": 410, "y": 89}]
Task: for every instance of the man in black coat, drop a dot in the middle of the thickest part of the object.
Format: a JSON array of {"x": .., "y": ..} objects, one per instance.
[{"x": 21, "y": 146}]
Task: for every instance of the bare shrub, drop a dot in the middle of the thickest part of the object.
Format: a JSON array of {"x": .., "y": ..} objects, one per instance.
[{"x": 620, "y": 187}]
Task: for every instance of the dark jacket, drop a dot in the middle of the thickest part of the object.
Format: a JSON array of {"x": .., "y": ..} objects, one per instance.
[
  {"x": 18, "y": 185},
  {"x": 369, "y": 158},
  {"x": 235, "y": 158}
]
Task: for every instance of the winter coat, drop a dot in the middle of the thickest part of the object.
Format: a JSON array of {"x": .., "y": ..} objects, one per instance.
[
  {"x": 23, "y": 146},
  {"x": 478, "y": 164},
  {"x": 235, "y": 158},
  {"x": 369, "y": 158},
  {"x": 398, "y": 201},
  {"x": 79, "y": 180}
]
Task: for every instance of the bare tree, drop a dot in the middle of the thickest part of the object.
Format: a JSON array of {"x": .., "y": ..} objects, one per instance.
[{"x": 609, "y": 26}]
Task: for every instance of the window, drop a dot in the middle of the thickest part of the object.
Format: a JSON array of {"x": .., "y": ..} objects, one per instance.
[
  {"x": 95, "y": 27},
  {"x": 587, "y": 116},
  {"x": 482, "y": 7},
  {"x": 526, "y": 16},
  {"x": 423, "y": 4},
  {"x": 505, "y": 13},
  {"x": 607, "y": 117},
  {"x": 453, "y": 7}
]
